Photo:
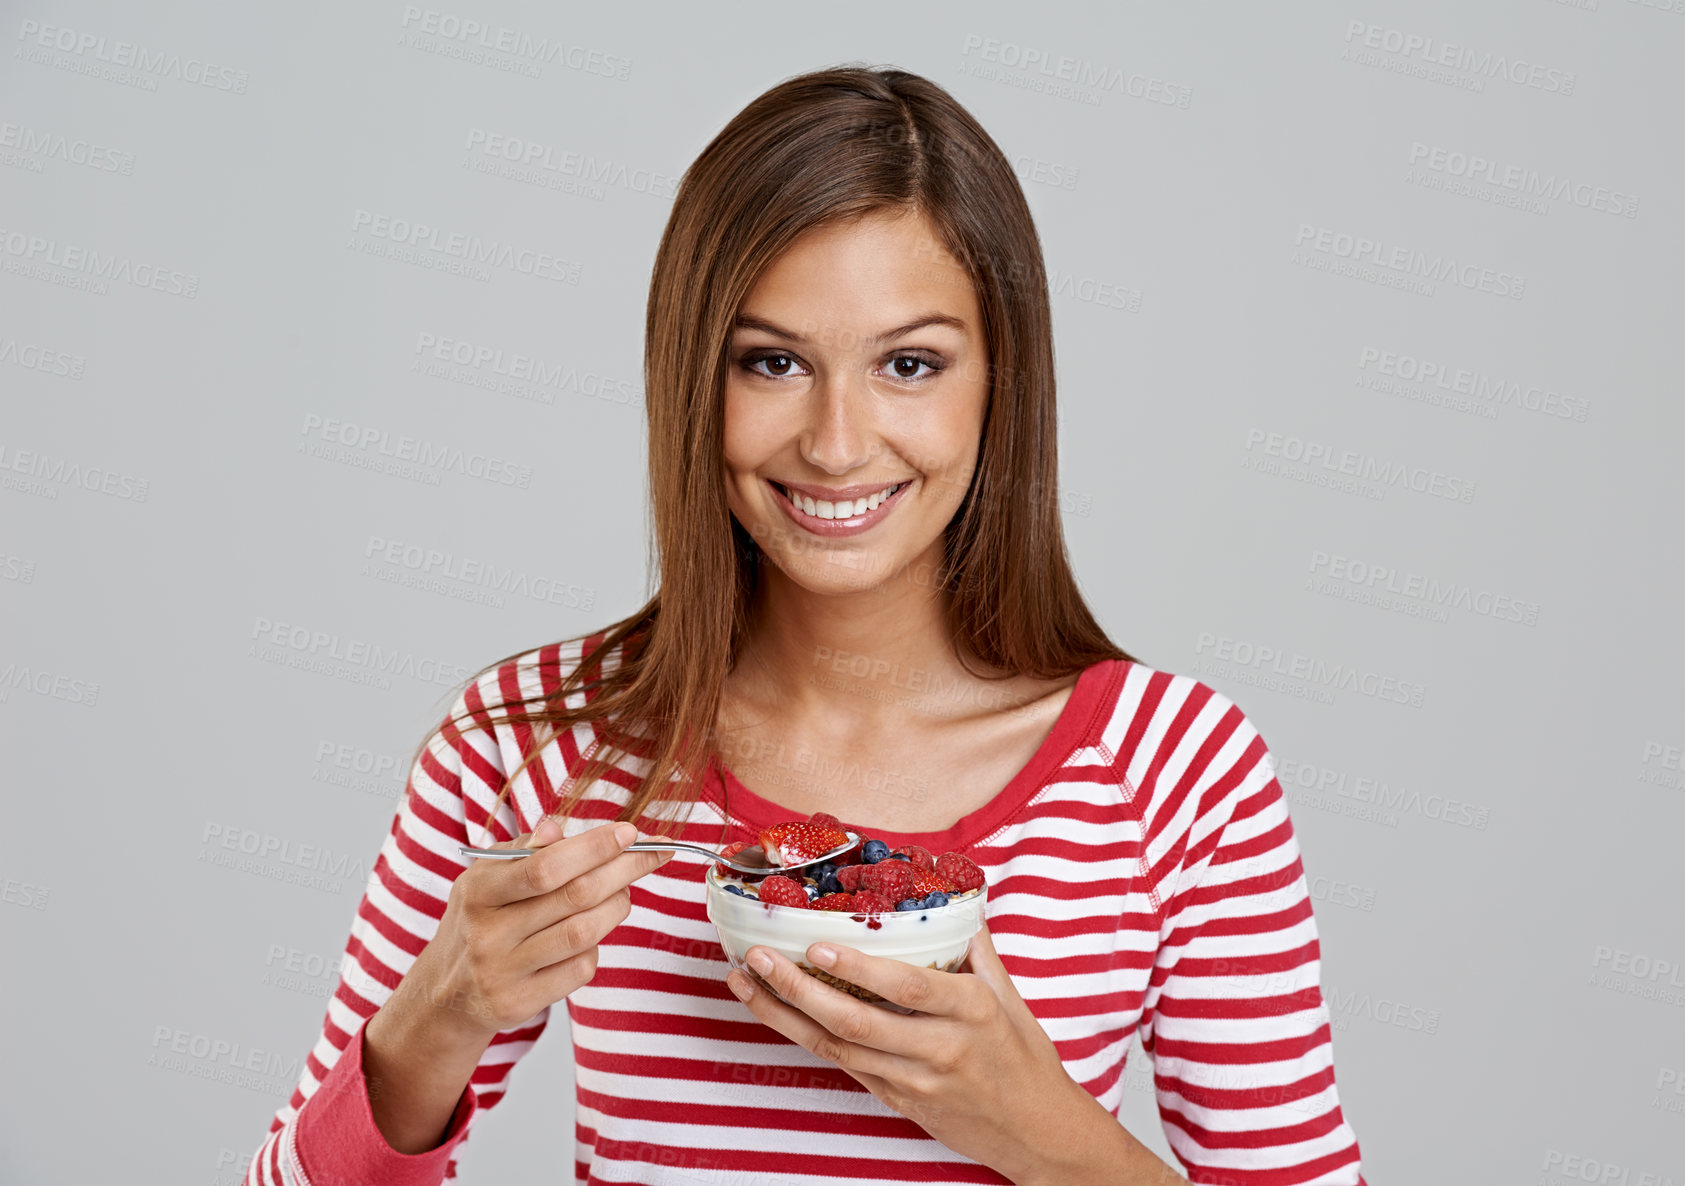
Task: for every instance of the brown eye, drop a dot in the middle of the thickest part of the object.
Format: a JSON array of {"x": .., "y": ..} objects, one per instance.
[
  {"x": 779, "y": 365},
  {"x": 905, "y": 367}
]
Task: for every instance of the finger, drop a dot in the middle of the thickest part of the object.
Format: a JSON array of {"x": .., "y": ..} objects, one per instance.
[
  {"x": 805, "y": 1032},
  {"x": 487, "y": 886},
  {"x": 549, "y": 831},
  {"x": 846, "y": 1016},
  {"x": 790, "y": 1021},
  {"x": 559, "y": 980},
  {"x": 586, "y": 890},
  {"x": 556, "y": 863},
  {"x": 984, "y": 962},
  {"x": 569, "y": 936},
  {"x": 866, "y": 1063},
  {"x": 926, "y": 990}
]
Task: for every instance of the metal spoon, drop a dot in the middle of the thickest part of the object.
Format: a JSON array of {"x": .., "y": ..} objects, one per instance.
[{"x": 748, "y": 860}]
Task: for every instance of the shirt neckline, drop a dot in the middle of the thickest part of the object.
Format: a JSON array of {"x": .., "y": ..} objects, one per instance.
[{"x": 1073, "y": 727}]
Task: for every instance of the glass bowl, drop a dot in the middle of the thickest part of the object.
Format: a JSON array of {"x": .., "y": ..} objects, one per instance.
[{"x": 936, "y": 937}]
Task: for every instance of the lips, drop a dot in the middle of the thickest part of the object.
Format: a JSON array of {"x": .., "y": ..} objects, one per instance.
[
  {"x": 853, "y": 525},
  {"x": 800, "y": 498}
]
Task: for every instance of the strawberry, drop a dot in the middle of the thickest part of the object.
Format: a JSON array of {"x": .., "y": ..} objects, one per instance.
[
  {"x": 796, "y": 841},
  {"x": 892, "y": 879},
  {"x": 848, "y": 876},
  {"x": 852, "y": 856},
  {"x": 866, "y": 902},
  {"x": 826, "y": 818},
  {"x": 926, "y": 881},
  {"x": 783, "y": 891},
  {"x": 833, "y": 902},
  {"x": 731, "y": 850},
  {"x": 961, "y": 870},
  {"x": 919, "y": 855}
]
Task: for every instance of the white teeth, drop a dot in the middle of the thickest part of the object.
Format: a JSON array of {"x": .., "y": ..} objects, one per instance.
[{"x": 820, "y": 509}]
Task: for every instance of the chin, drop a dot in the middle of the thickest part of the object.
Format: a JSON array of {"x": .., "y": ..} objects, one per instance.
[
  {"x": 835, "y": 575},
  {"x": 840, "y": 573}
]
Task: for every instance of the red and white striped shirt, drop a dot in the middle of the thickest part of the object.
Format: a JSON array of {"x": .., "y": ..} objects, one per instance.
[{"x": 1144, "y": 877}]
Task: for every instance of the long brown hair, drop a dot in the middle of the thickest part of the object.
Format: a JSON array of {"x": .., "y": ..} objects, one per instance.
[{"x": 818, "y": 149}]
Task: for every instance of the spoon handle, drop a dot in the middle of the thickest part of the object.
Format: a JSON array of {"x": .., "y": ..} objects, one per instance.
[
  {"x": 496, "y": 854},
  {"x": 675, "y": 845},
  {"x": 510, "y": 854}
]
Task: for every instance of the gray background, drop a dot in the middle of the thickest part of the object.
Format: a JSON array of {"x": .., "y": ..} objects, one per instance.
[{"x": 1495, "y": 868}]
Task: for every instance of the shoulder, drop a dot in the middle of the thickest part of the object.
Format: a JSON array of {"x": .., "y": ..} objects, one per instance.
[
  {"x": 479, "y": 745},
  {"x": 533, "y": 674},
  {"x": 1175, "y": 737},
  {"x": 476, "y": 724}
]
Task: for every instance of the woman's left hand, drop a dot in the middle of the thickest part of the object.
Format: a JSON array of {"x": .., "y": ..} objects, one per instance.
[{"x": 973, "y": 1067}]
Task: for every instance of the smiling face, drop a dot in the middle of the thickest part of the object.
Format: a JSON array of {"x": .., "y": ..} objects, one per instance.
[{"x": 857, "y": 366}]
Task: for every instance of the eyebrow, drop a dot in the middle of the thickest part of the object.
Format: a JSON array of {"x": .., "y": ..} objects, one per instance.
[{"x": 744, "y": 321}]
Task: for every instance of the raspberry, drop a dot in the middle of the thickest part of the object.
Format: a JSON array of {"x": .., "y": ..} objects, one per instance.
[
  {"x": 834, "y": 902},
  {"x": 783, "y": 891},
  {"x": 866, "y": 902},
  {"x": 892, "y": 879},
  {"x": 928, "y": 881},
  {"x": 919, "y": 855},
  {"x": 731, "y": 850},
  {"x": 825, "y": 818},
  {"x": 961, "y": 870},
  {"x": 848, "y": 876}
]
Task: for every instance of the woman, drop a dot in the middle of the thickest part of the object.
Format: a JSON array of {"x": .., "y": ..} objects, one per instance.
[{"x": 848, "y": 304}]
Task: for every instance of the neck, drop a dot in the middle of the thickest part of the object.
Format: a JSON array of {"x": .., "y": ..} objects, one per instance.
[{"x": 847, "y": 657}]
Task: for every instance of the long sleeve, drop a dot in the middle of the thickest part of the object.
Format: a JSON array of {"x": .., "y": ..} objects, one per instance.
[
  {"x": 1234, "y": 1020},
  {"x": 325, "y": 1134}
]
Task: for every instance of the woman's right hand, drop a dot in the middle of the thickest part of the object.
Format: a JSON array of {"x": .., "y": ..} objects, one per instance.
[
  {"x": 515, "y": 937},
  {"x": 519, "y": 935}
]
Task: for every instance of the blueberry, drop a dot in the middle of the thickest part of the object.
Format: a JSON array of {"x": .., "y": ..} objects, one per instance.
[
  {"x": 899, "y": 856},
  {"x": 736, "y": 889},
  {"x": 829, "y": 884},
  {"x": 873, "y": 851},
  {"x": 823, "y": 867},
  {"x": 908, "y": 904},
  {"x": 935, "y": 898}
]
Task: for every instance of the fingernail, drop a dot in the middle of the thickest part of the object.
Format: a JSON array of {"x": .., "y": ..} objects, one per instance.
[
  {"x": 739, "y": 984},
  {"x": 822, "y": 954},
  {"x": 761, "y": 962},
  {"x": 625, "y": 833}
]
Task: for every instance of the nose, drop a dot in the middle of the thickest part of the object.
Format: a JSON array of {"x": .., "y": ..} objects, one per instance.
[{"x": 839, "y": 437}]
